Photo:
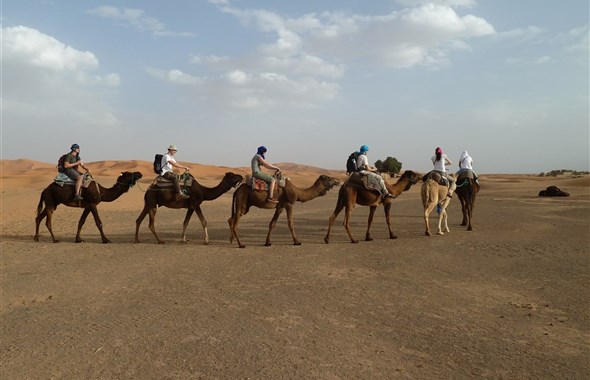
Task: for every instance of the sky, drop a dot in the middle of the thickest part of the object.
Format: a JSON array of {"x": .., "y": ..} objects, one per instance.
[{"x": 312, "y": 80}]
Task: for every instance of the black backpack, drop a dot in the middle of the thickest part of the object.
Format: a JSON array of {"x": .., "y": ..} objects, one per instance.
[
  {"x": 158, "y": 163},
  {"x": 60, "y": 164},
  {"x": 351, "y": 163}
]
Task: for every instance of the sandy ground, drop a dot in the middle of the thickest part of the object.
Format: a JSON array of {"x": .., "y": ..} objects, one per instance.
[{"x": 509, "y": 300}]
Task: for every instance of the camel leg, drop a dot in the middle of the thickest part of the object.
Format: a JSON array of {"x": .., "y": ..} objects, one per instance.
[
  {"x": 233, "y": 226},
  {"x": 427, "y": 212},
  {"x": 140, "y": 218},
  {"x": 151, "y": 225},
  {"x": 98, "y": 222},
  {"x": 203, "y": 223},
  {"x": 331, "y": 221},
  {"x": 469, "y": 214},
  {"x": 49, "y": 214},
  {"x": 442, "y": 220},
  {"x": 272, "y": 224},
  {"x": 38, "y": 221},
  {"x": 81, "y": 223},
  {"x": 369, "y": 222},
  {"x": 289, "y": 209},
  {"x": 464, "y": 211},
  {"x": 187, "y": 219},
  {"x": 347, "y": 212},
  {"x": 387, "y": 210}
]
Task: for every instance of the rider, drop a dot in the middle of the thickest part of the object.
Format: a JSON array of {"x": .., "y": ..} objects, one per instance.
[
  {"x": 259, "y": 160},
  {"x": 71, "y": 163},
  {"x": 168, "y": 162},
  {"x": 465, "y": 164},
  {"x": 362, "y": 163},
  {"x": 440, "y": 161}
]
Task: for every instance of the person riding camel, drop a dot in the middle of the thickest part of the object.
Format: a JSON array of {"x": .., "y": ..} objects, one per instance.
[
  {"x": 364, "y": 168},
  {"x": 465, "y": 164},
  {"x": 71, "y": 163},
  {"x": 168, "y": 162},
  {"x": 259, "y": 160},
  {"x": 440, "y": 162}
]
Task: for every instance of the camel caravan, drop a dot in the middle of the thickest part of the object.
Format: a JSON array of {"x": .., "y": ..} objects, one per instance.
[{"x": 363, "y": 186}]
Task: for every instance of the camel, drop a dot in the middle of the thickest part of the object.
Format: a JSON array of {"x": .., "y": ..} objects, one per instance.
[
  {"x": 467, "y": 189},
  {"x": 354, "y": 192},
  {"x": 245, "y": 197},
  {"x": 436, "y": 195},
  {"x": 167, "y": 197},
  {"x": 55, "y": 194}
]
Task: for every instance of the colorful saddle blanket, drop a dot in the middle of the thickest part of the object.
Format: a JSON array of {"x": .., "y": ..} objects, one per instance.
[
  {"x": 161, "y": 182},
  {"x": 62, "y": 179},
  {"x": 259, "y": 185}
]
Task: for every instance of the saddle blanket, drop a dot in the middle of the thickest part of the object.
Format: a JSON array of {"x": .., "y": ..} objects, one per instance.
[
  {"x": 62, "y": 179},
  {"x": 436, "y": 177},
  {"x": 371, "y": 182},
  {"x": 163, "y": 182},
  {"x": 465, "y": 173},
  {"x": 259, "y": 185}
]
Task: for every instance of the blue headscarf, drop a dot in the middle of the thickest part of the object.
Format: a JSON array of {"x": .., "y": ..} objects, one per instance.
[{"x": 261, "y": 150}]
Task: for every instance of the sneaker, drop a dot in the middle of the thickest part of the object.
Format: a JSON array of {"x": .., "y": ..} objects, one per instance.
[
  {"x": 388, "y": 195},
  {"x": 78, "y": 197},
  {"x": 272, "y": 200}
]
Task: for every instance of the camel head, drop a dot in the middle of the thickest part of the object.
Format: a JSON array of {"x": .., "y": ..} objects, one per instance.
[
  {"x": 232, "y": 179},
  {"x": 128, "y": 178},
  {"x": 412, "y": 177},
  {"x": 326, "y": 183}
]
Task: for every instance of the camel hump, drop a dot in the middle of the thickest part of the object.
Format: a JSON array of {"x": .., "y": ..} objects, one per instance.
[
  {"x": 436, "y": 177},
  {"x": 466, "y": 173}
]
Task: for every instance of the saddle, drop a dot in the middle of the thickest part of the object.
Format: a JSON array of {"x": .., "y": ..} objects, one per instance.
[
  {"x": 62, "y": 179},
  {"x": 162, "y": 183},
  {"x": 436, "y": 177},
  {"x": 259, "y": 185},
  {"x": 465, "y": 174},
  {"x": 368, "y": 182}
]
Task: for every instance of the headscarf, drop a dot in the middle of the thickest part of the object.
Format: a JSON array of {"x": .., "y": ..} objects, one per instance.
[{"x": 261, "y": 150}]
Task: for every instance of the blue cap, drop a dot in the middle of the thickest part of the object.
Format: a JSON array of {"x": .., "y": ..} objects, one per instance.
[
  {"x": 74, "y": 146},
  {"x": 364, "y": 149}
]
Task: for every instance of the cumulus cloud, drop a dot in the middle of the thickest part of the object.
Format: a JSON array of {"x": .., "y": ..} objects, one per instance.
[
  {"x": 49, "y": 79},
  {"x": 137, "y": 19},
  {"x": 308, "y": 54}
]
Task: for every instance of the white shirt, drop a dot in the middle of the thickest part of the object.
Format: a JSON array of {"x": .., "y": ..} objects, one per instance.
[
  {"x": 362, "y": 162},
  {"x": 166, "y": 163},
  {"x": 466, "y": 162},
  {"x": 440, "y": 165}
]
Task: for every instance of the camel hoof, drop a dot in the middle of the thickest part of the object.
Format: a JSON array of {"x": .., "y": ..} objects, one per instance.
[
  {"x": 105, "y": 241},
  {"x": 463, "y": 224},
  {"x": 368, "y": 238},
  {"x": 427, "y": 233},
  {"x": 354, "y": 241},
  {"x": 161, "y": 242},
  {"x": 393, "y": 236},
  {"x": 186, "y": 241},
  {"x": 326, "y": 240},
  {"x": 242, "y": 246},
  {"x": 297, "y": 243},
  {"x": 36, "y": 238},
  {"x": 440, "y": 233},
  {"x": 56, "y": 240},
  {"x": 81, "y": 241},
  {"x": 267, "y": 244},
  {"x": 469, "y": 229}
]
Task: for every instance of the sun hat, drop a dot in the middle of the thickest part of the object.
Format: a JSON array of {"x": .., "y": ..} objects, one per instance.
[{"x": 172, "y": 147}]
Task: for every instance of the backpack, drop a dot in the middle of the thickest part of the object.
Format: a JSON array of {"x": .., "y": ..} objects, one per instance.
[
  {"x": 351, "y": 163},
  {"x": 60, "y": 164},
  {"x": 158, "y": 163}
]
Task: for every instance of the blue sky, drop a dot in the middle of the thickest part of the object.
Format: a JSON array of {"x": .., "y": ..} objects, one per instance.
[{"x": 507, "y": 80}]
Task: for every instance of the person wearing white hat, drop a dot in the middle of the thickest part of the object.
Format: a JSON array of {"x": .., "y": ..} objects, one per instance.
[{"x": 168, "y": 162}]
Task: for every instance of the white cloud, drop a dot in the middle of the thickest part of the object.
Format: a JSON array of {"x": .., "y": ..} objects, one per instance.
[
  {"x": 447, "y": 3},
  {"x": 137, "y": 19},
  {"x": 47, "y": 79}
]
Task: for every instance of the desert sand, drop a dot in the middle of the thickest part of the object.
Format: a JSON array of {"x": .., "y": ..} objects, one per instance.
[{"x": 508, "y": 300}]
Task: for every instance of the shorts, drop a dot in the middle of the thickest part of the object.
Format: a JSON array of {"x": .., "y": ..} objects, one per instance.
[
  {"x": 72, "y": 173},
  {"x": 263, "y": 176}
]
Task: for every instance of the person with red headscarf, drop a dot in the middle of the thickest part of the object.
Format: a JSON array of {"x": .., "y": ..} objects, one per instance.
[{"x": 440, "y": 162}]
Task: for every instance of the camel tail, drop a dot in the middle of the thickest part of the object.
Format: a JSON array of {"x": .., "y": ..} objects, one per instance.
[{"x": 40, "y": 205}]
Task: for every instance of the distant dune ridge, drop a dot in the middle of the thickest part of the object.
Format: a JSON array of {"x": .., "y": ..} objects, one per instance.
[{"x": 28, "y": 168}]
